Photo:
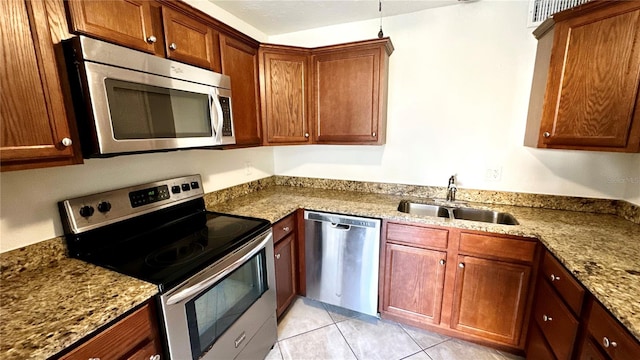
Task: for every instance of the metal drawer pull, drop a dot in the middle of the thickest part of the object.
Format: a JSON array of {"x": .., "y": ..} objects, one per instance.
[
  {"x": 555, "y": 278},
  {"x": 154, "y": 357},
  {"x": 606, "y": 342},
  {"x": 277, "y": 256},
  {"x": 546, "y": 134},
  {"x": 173, "y": 46},
  {"x": 546, "y": 318},
  {"x": 442, "y": 262},
  {"x": 66, "y": 142},
  {"x": 151, "y": 40},
  {"x": 461, "y": 265},
  {"x": 286, "y": 228}
]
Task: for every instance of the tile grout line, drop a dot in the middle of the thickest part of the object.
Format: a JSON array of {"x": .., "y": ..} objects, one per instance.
[
  {"x": 346, "y": 341},
  {"x": 306, "y": 332}
]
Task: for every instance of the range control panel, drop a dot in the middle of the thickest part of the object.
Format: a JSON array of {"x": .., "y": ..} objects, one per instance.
[{"x": 93, "y": 211}]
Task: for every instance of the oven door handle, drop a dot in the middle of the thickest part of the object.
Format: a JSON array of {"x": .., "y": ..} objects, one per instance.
[{"x": 197, "y": 288}]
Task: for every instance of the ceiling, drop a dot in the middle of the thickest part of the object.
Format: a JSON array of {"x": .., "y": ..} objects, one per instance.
[{"x": 284, "y": 16}]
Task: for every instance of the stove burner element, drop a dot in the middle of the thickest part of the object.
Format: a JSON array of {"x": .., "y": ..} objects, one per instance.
[{"x": 175, "y": 255}]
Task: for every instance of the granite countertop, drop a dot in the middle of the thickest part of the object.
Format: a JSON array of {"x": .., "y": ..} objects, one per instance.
[
  {"x": 601, "y": 250},
  {"x": 48, "y": 307}
]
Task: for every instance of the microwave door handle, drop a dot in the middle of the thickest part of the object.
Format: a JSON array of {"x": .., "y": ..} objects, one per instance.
[
  {"x": 219, "y": 117},
  {"x": 197, "y": 288},
  {"x": 213, "y": 113}
]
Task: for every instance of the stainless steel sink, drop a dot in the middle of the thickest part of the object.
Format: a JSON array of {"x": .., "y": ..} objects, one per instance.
[
  {"x": 423, "y": 209},
  {"x": 488, "y": 216},
  {"x": 458, "y": 213}
]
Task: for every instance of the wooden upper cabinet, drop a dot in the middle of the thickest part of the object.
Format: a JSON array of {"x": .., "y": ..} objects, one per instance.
[
  {"x": 190, "y": 41},
  {"x": 240, "y": 62},
  {"x": 284, "y": 94},
  {"x": 490, "y": 299},
  {"x": 591, "y": 97},
  {"x": 35, "y": 125},
  {"x": 124, "y": 22},
  {"x": 349, "y": 90}
]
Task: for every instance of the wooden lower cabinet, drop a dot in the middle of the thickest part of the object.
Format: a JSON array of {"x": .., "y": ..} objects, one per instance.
[
  {"x": 537, "y": 347},
  {"x": 414, "y": 283},
  {"x": 490, "y": 298},
  {"x": 436, "y": 278},
  {"x": 611, "y": 338},
  {"x": 134, "y": 337},
  {"x": 285, "y": 272},
  {"x": 287, "y": 250},
  {"x": 589, "y": 351}
]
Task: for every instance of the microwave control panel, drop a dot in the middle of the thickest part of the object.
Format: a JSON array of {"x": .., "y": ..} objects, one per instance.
[{"x": 227, "y": 128}]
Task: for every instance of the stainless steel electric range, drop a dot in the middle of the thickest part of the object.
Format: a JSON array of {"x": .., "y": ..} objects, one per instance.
[{"x": 214, "y": 272}]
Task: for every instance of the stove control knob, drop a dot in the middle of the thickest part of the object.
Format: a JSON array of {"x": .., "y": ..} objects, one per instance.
[
  {"x": 86, "y": 211},
  {"x": 104, "y": 206}
]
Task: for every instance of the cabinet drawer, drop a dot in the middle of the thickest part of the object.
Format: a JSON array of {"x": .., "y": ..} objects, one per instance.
[
  {"x": 417, "y": 236},
  {"x": 137, "y": 333},
  {"x": 613, "y": 339},
  {"x": 284, "y": 227},
  {"x": 495, "y": 246},
  {"x": 590, "y": 351},
  {"x": 556, "y": 321},
  {"x": 569, "y": 289}
]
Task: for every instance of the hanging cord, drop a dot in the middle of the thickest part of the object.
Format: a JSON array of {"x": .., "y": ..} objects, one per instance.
[{"x": 380, "y": 33}]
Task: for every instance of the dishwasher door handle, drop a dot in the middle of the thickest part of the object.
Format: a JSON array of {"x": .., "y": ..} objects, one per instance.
[{"x": 341, "y": 227}]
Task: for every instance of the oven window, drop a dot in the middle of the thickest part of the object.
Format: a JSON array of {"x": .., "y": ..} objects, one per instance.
[
  {"x": 211, "y": 313},
  {"x": 141, "y": 111}
]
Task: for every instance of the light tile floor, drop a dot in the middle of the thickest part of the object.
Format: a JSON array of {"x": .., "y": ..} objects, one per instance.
[{"x": 313, "y": 330}]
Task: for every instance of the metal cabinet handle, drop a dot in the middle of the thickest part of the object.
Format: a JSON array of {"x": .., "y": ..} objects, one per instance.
[
  {"x": 277, "y": 256},
  {"x": 306, "y": 135},
  {"x": 94, "y": 358},
  {"x": 606, "y": 342},
  {"x": 442, "y": 262},
  {"x": 374, "y": 134},
  {"x": 154, "y": 357},
  {"x": 286, "y": 228},
  {"x": 461, "y": 265},
  {"x": 555, "y": 278},
  {"x": 151, "y": 39},
  {"x": 173, "y": 46},
  {"x": 546, "y": 318},
  {"x": 546, "y": 134},
  {"x": 66, "y": 142}
]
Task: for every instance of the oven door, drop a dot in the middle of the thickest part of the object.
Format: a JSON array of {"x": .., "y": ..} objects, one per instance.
[
  {"x": 133, "y": 111},
  {"x": 226, "y": 311}
]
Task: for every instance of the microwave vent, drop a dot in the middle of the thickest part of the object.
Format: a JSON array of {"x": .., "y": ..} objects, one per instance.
[{"x": 540, "y": 10}]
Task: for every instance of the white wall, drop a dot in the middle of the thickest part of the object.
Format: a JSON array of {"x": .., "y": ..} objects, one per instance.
[
  {"x": 459, "y": 88},
  {"x": 224, "y": 16},
  {"x": 29, "y": 213}
]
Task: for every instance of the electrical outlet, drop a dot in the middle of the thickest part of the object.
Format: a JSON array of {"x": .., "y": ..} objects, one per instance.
[
  {"x": 493, "y": 174},
  {"x": 248, "y": 168}
]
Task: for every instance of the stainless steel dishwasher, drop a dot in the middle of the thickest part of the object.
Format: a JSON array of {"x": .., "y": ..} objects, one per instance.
[{"x": 342, "y": 255}]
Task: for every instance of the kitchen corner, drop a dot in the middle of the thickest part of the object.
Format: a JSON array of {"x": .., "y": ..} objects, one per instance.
[{"x": 595, "y": 245}]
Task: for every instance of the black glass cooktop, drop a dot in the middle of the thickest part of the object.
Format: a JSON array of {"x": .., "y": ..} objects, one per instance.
[{"x": 166, "y": 250}]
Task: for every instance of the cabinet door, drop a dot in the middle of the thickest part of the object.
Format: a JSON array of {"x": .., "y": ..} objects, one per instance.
[
  {"x": 413, "y": 283},
  {"x": 490, "y": 298},
  {"x": 349, "y": 94},
  {"x": 537, "y": 347},
  {"x": 35, "y": 127},
  {"x": 240, "y": 62},
  {"x": 134, "y": 337},
  {"x": 190, "y": 41},
  {"x": 285, "y": 272},
  {"x": 589, "y": 351},
  {"x": 284, "y": 100},
  {"x": 592, "y": 87},
  {"x": 124, "y": 22}
]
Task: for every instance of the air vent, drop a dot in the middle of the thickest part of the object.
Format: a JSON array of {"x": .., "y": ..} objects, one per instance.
[{"x": 540, "y": 10}]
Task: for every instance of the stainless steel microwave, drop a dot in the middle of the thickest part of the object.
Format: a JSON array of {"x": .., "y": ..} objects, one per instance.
[{"x": 127, "y": 101}]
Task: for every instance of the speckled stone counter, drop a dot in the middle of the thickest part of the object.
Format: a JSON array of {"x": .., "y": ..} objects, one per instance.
[
  {"x": 48, "y": 301},
  {"x": 601, "y": 250}
]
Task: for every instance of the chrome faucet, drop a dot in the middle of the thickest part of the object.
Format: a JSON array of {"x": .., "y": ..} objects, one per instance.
[{"x": 451, "y": 189}]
